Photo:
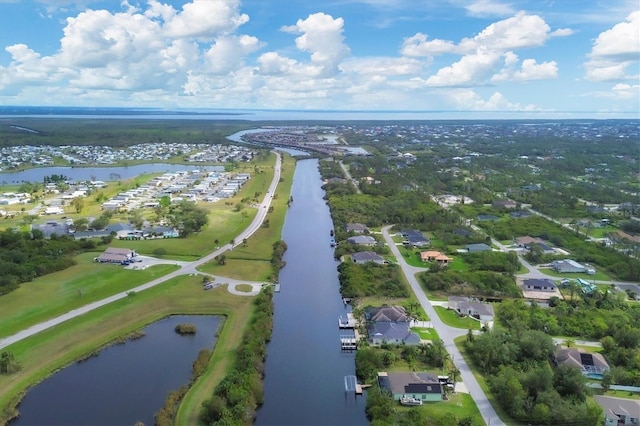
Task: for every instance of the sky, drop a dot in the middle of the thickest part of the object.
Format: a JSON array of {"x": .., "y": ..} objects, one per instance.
[{"x": 540, "y": 57}]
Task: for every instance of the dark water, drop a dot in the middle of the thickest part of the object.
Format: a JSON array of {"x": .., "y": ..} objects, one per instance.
[
  {"x": 305, "y": 368},
  {"x": 99, "y": 173},
  {"x": 125, "y": 383}
]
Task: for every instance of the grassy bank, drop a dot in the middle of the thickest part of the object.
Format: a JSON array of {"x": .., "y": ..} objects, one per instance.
[{"x": 50, "y": 350}]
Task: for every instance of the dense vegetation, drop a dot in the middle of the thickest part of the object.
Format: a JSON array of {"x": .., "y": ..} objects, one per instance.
[
  {"x": 236, "y": 398},
  {"x": 114, "y": 133},
  {"x": 369, "y": 279},
  {"x": 617, "y": 263},
  {"x": 600, "y": 316},
  {"x": 25, "y": 256},
  {"x": 529, "y": 388}
]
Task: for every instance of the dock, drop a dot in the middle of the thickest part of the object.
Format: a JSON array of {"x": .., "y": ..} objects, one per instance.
[
  {"x": 349, "y": 322},
  {"x": 348, "y": 343}
]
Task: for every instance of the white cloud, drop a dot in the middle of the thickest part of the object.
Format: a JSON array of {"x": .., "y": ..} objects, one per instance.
[
  {"x": 562, "y": 32},
  {"x": 620, "y": 92},
  {"x": 486, "y": 8},
  {"x": 204, "y": 19},
  {"x": 518, "y": 32},
  {"x": 418, "y": 45},
  {"x": 467, "y": 99},
  {"x": 471, "y": 69},
  {"x": 614, "y": 51},
  {"x": 383, "y": 66},
  {"x": 321, "y": 36},
  {"x": 228, "y": 53},
  {"x": 529, "y": 70}
]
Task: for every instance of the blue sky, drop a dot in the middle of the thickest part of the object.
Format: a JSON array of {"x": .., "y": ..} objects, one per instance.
[{"x": 540, "y": 57}]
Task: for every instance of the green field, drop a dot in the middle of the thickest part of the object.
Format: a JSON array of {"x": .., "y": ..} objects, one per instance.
[
  {"x": 47, "y": 297},
  {"x": 451, "y": 318}
]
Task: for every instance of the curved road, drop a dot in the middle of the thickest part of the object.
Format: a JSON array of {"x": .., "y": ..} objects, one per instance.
[
  {"x": 188, "y": 268},
  {"x": 447, "y": 334}
]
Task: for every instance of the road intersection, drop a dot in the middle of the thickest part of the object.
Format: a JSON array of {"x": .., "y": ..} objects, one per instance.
[{"x": 185, "y": 268}]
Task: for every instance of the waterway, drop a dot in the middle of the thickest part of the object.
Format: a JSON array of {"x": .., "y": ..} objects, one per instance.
[
  {"x": 124, "y": 384},
  {"x": 305, "y": 368},
  {"x": 99, "y": 173}
]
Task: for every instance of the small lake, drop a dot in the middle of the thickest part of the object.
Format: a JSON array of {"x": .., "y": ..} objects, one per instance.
[
  {"x": 99, "y": 173},
  {"x": 124, "y": 384}
]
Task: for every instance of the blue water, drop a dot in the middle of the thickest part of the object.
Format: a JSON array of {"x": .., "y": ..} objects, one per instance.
[{"x": 124, "y": 384}]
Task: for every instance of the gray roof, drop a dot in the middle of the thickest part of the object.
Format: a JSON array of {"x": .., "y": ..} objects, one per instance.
[
  {"x": 361, "y": 239},
  {"x": 394, "y": 331},
  {"x": 478, "y": 247},
  {"x": 366, "y": 256},
  {"x": 618, "y": 406},
  {"x": 410, "y": 382},
  {"x": 390, "y": 314}
]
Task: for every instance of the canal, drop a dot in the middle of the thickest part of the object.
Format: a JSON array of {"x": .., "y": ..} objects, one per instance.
[
  {"x": 305, "y": 368},
  {"x": 124, "y": 384}
]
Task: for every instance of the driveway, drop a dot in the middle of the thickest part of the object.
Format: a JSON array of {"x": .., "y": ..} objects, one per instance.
[{"x": 447, "y": 334}]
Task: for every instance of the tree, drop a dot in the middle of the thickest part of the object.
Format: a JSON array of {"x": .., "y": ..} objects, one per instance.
[
  {"x": 78, "y": 204},
  {"x": 454, "y": 376},
  {"x": 8, "y": 363},
  {"x": 569, "y": 381}
]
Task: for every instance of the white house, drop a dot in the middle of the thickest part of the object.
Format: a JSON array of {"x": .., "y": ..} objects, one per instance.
[{"x": 53, "y": 210}]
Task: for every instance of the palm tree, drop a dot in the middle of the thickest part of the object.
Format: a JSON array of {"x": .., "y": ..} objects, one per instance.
[{"x": 454, "y": 376}]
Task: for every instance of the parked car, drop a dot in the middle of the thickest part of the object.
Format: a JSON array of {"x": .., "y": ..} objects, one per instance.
[{"x": 208, "y": 286}]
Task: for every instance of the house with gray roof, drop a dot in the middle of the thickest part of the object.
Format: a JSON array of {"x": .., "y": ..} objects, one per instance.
[
  {"x": 569, "y": 266},
  {"x": 382, "y": 332},
  {"x": 387, "y": 314},
  {"x": 619, "y": 411},
  {"x": 539, "y": 284},
  {"x": 367, "y": 256},
  {"x": 420, "y": 385},
  {"x": 363, "y": 240},
  {"x": 356, "y": 228},
  {"x": 473, "y": 248},
  {"x": 477, "y": 310},
  {"x": 588, "y": 362}
]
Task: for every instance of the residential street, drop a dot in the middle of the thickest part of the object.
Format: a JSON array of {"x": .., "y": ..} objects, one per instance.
[
  {"x": 447, "y": 334},
  {"x": 188, "y": 268}
]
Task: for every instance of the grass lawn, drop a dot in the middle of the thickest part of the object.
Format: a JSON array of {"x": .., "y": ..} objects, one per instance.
[
  {"x": 460, "y": 404},
  {"x": 255, "y": 257},
  {"x": 45, "y": 352},
  {"x": 451, "y": 318},
  {"x": 54, "y": 294},
  {"x": 426, "y": 333}
]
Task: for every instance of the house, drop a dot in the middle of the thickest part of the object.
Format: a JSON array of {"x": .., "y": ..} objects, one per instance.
[
  {"x": 356, "y": 228},
  {"x": 387, "y": 314},
  {"x": 383, "y": 332},
  {"x": 539, "y": 284},
  {"x": 432, "y": 255},
  {"x": 589, "y": 363},
  {"x": 367, "y": 256},
  {"x": 477, "y": 310},
  {"x": 53, "y": 210},
  {"x": 116, "y": 255},
  {"x": 619, "y": 411},
  {"x": 530, "y": 243},
  {"x": 526, "y": 240},
  {"x": 422, "y": 386},
  {"x": 504, "y": 204},
  {"x": 363, "y": 240},
  {"x": 415, "y": 238},
  {"x": 472, "y": 248},
  {"x": 570, "y": 266},
  {"x": 164, "y": 231},
  {"x": 462, "y": 232}
]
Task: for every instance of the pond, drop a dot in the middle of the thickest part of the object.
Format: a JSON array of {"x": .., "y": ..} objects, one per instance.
[{"x": 124, "y": 384}]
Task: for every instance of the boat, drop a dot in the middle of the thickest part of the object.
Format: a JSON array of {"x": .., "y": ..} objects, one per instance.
[
  {"x": 405, "y": 400},
  {"x": 333, "y": 243}
]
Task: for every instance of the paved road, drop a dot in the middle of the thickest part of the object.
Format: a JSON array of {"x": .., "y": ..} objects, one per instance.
[
  {"x": 447, "y": 334},
  {"x": 188, "y": 268},
  {"x": 348, "y": 176}
]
